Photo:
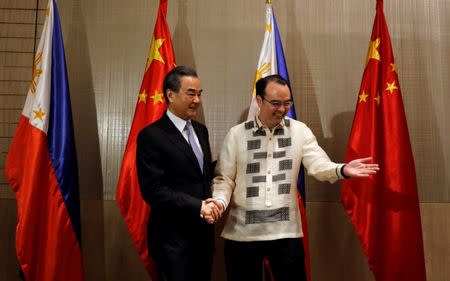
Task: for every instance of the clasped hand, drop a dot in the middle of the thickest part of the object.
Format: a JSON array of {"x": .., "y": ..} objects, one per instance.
[{"x": 211, "y": 210}]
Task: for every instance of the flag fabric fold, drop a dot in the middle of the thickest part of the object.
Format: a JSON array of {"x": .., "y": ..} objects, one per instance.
[
  {"x": 272, "y": 61},
  {"x": 149, "y": 107},
  {"x": 41, "y": 167},
  {"x": 384, "y": 209}
]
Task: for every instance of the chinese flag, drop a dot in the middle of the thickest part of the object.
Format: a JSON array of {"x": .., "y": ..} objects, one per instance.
[
  {"x": 149, "y": 108},
  {"x": 384, "y": 208}
]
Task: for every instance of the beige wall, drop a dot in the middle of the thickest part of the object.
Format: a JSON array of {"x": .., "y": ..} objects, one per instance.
[{"x": 325, "y": 43}]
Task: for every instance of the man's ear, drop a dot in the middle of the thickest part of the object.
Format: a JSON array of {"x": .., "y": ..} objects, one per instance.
[
  {"x": 170, "y": 95},
  {"x": 258, "y": 100}
]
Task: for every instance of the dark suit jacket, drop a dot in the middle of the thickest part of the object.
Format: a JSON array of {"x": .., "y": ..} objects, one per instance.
[{"x": 172, "y": 183}]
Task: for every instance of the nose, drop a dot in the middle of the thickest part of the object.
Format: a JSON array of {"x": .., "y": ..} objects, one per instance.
[
  {"x": 197, "y": 99},
  {"x": 282, "y": 109}
]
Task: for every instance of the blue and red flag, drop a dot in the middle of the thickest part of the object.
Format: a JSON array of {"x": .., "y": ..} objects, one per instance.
[
  {"x": 41, "y": 167},
  {"x": 283, "y": 72},
  {"x": 272, "y": 61}
]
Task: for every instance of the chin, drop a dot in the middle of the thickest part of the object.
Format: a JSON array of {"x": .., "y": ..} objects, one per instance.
[{"x": 192, "y": 113}]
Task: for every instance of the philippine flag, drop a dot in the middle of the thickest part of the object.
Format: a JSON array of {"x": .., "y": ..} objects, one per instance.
[{"x": 42, "y": 168}]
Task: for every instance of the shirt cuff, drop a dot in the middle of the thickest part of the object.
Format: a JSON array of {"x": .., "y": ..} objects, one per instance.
[
  {"x": 339, "y": 172},
  {"x": 223, "y": 202}
]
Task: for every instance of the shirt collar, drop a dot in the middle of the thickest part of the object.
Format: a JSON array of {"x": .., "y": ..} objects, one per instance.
[
  {"x": 177, "y": 121},
  {"x": 260, "y": 126}
]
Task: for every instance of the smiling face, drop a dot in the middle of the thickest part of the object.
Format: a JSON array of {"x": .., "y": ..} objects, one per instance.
[
  {"x": 186, "y": 102},
  {"x": 269, "y": 114}
]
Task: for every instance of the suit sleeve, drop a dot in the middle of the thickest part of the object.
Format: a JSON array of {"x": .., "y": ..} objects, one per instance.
[{"x": 154, "y": 191}]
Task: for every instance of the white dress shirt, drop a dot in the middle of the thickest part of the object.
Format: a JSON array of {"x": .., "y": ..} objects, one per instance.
[
  {"x": 256, "y": 178},
  {"x": 181, "y": 124}
]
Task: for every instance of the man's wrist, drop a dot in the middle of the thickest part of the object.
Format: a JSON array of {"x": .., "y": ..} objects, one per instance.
[
  {"x": 201, "y": 208},
  {"x": 343, "y": 174},
  {"x": 222, "y": 202}
]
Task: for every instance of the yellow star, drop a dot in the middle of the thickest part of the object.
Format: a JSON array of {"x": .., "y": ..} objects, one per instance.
[
  {"x": 143, "y": 97},
  {"x": 377, "y": 99},
  {"x": 373, "y": 53},
  {"x": 36, "y": 72},
  {"x": 263, "y": 69},
  {"x": 154, "y": 53},
  {"x": 363, "y": 97},
  {"x": 269, "y": 27},
  {"x": 391, "y": 87},
  {"x": 39, "y": 114},
  {"x": 394, "y": 67},
  {"x": 157, "y": 97}
]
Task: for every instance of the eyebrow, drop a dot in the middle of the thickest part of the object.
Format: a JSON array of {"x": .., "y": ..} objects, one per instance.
[{"x": 194, "y": 90}]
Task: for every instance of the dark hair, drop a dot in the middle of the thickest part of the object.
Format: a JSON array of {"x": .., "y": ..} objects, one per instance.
[
  {"x": 261, "y": 84},
  {"x": 172, "y": 81}
]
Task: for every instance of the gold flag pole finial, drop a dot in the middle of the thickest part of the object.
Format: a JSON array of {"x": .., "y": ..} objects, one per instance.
[{"x": 268, "y": 1}]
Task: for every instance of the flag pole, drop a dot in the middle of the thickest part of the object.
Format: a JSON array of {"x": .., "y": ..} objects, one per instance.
[{"x": 35, "y": 34}]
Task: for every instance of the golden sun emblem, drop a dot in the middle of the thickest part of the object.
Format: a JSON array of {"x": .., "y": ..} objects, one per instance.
[
  {"x": 263, "y": 69},
  {"x": 36, "y": 72}
]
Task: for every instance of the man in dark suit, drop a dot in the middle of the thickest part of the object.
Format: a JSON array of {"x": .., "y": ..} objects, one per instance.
[{"x": 174, "y": 168}]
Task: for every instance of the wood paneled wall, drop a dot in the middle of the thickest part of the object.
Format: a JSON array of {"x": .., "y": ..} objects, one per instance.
[{"x": 325, "y": 44}]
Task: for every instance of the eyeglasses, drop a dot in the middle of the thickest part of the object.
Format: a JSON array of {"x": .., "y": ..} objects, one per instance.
[{"x": 277, "y": 103}]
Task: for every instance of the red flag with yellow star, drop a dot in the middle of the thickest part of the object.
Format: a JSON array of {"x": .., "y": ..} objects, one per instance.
[
  {"x": 384, "y": 208},
  {"x": 149, "y": 108}
]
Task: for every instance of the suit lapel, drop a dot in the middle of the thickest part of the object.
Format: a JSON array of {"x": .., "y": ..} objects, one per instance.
[{"x": 178, "y": 140}]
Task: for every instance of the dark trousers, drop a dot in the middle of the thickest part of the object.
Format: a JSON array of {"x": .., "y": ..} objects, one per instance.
[
  {"x": 184, "y": 266},
  {"x": 244, "y": 260}
]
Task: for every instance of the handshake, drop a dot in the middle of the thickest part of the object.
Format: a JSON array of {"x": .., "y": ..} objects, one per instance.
[{"x": 211, "y": 210}]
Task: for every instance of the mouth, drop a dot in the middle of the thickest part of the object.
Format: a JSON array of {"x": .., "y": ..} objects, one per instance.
[{"x": 193, "y": 109}]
